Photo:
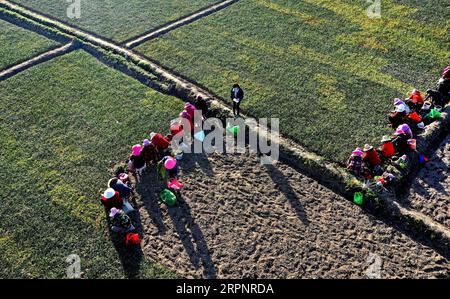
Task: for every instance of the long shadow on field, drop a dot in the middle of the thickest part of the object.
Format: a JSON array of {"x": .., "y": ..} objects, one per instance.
[
  {"x": 130, "y": 256},
  {"x": 284, "y": 186},
  {"x": 148, "y": 187},
  {"x": 192, "y": 161},
  {"x": 192, "y": 238}
]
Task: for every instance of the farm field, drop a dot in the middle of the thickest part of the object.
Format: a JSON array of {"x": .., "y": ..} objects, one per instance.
[
  {"x": 30, "y": 43},
  {"x": 62, "y": 124},
  {"x": 265, "y": 221},
  {"x": 119, "y": 20},
  {"x": 323, "y": 67}
]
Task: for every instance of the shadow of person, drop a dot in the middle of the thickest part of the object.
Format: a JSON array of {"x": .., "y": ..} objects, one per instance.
[
  {"x": 192, "y": 238},
  {"x": 193, "y": 161},
  {"x": 130, "y": 256},
  {"x": 147, "y": 189},
  {"x": 284, "y": 186},
  {"x": 429, "y": 178}
]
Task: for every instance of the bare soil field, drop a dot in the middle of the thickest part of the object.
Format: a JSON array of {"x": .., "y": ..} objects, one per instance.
[{"x": 237, "y": 218}]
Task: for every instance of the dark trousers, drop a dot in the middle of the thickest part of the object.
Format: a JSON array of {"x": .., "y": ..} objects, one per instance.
[{"x": 236, "y": 109}]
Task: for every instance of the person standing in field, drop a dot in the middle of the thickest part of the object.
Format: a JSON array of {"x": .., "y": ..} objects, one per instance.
[{"x": 237, "y": 95}]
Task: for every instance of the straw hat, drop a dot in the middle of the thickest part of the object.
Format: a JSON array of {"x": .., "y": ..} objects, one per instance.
[
  {"x": 368, "y": 147},
  {"x": 385, "y": 138},
  {"x": 109, "y": 193},
  {"x": 113, "y": 212}
]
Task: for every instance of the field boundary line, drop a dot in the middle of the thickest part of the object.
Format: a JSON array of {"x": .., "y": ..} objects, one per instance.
[
  {"x": 185, "y": 20},
  {"x": 329, "y": 174},
  {"x": 38, "y": 59}
]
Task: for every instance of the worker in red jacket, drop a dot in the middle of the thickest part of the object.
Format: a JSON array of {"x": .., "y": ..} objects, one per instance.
[
  {"x": 415, "y": 100},
  {"x": 159, "y": 141},
  {"x": 111, "y": 199},
  {"x": 387, "y": 147},
  {"x": 372, "y": 159}
]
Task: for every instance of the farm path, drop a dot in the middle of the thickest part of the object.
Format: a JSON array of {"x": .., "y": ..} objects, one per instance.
[
  {"x": 136, "y": 41},
  {"x": 40, "y": 58}
]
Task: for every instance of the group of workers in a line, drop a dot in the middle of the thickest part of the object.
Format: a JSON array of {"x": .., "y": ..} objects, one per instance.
[
  {"x": 408, "y": 118},
  {"x": 156, "y": 150}
]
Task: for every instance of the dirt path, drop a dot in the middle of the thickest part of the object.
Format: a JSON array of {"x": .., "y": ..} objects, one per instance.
[
  {"x": 430, "y": 191},
  {"x": 43, "y": 57},
  {"x": 237, "y": 218},
  {"x": 134, "y": 42}
]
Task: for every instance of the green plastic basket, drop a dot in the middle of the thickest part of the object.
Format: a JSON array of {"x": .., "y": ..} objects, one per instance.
[
  {"x": 358, "y": 198},
  {"x": 168, "y": 197}
]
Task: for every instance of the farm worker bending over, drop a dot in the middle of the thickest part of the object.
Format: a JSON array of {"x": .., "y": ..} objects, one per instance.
[
  {"x": 400, "y": 103},
  {"x": 387, "y": 148},
  {"x": 149, "y": 152},
  {"x": 119, "y": 186},
  {"x": 415, "y": 100},
  {"x": 355, "y": 163},
  {"x": 237, "y": 95},
  {"x": 187, "y": 120},
  {"x": 398, "y": 116},
  {"x": 371, "y": 158},
  {"x": 190, "y": 109},
  {"x": 170, "y": 163},
  {"x": 137, "y": 162},
  {"x": 159, "y": 141},
  {"x": 120, "y": 222},
  {"x": 434, "y": 97},
  {"x": 400, "y": 142},
  {"x": 202, "y": 105},
  {"x": 444, "y": 86},
  {"x": 111, "y": 199},
  {"x": 405, "y": 128}
]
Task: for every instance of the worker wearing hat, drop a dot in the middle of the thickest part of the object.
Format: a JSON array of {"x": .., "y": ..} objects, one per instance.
[
  {"x": 371, "y": 158},
  {"x": 387, "y": 147},
  {"x": 398, "y": 116},
  {"x": 111, "y": 199},
  {"x": 355, "y": 163}
]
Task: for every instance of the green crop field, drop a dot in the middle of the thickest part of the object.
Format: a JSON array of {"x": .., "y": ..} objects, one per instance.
[
  {"x": 30, "y": 43},
  {"x": 326, "y": 69},
  {"x": 62, "y": 124},
  {"x": 117, "y": 19}
]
